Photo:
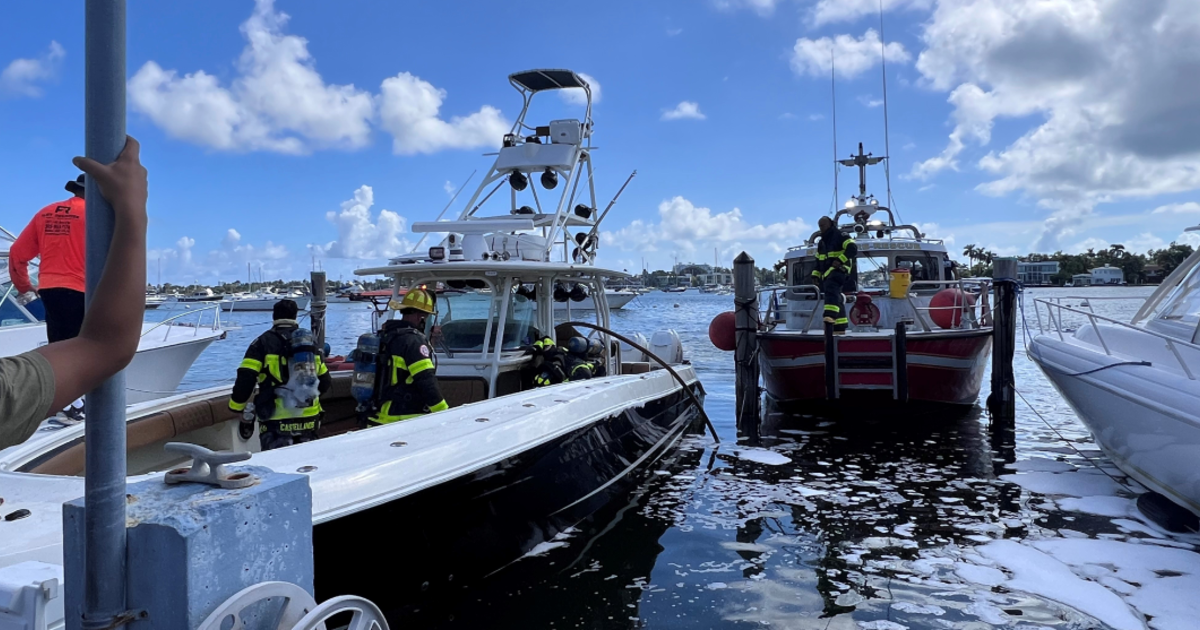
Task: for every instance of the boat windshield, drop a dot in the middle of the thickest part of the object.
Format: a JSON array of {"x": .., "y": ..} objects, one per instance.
[
  {"x": 1183, "y": 303},
  {"x": 464, "y": 318}
]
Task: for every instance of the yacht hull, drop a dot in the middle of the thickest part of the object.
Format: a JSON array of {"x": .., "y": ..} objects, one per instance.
[
  {"x": 615, "y": 301},
  {"x": 459, "y": 493},
  {"x": 254, "y": 304},
  {"x": 943, "y": 367},
  {"x": 476, "y": 524},
  {"x": 1145, "y": 418},
  {"x": 165, "y": 353}
]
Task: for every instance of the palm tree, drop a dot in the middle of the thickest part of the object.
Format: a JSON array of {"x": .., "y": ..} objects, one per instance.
[{"x": 971, "y": 252}]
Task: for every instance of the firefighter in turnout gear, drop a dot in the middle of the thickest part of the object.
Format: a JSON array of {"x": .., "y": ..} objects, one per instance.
[
  {"x": 546, "y": 365},
  {"x": 282, "y": 363},
  {"x": 834, "y": 273},
  {"x": 583, "y": 359},
  {"x": 407, "y": 375}
]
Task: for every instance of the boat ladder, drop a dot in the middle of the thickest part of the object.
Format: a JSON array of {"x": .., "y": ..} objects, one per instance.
[{"x": 871, "y": 363}]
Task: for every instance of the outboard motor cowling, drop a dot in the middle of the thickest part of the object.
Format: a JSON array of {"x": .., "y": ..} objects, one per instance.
[{"x": 667, "y": 346}]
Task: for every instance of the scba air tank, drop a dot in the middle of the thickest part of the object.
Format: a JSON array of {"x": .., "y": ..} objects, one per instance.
[
  {"x": 301, "y": 390},
  {"x": 362, "y": 385}
]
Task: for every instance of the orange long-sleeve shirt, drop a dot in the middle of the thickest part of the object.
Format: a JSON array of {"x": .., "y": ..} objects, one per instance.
[{"x": 57, "y": 235}]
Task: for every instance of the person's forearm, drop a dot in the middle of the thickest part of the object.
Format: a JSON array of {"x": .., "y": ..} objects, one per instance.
[{"x": 118, "y": 306}]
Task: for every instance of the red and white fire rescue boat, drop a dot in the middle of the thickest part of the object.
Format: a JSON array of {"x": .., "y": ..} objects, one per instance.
[{"x": 917, "y": 332}]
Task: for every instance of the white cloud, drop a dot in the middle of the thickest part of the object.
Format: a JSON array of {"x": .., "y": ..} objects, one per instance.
[
  {"x": 21, "y": 77},
  {"x": 1144, "y": 242},
  {"x": 1190, "y": 207},
  {"x": 1109, "y": 85},
  {"x": 684, "y": 110},
  {"x": 761, "y": 7},
  {"x": 359, "y": 235},
  {"x": 787, "y": 116},
  {"x": 829, "y": 11},
  {"x": 811, "y": 57},
  {"x": 685, "y": 227},
  {"x": 408, "y": 109},
  {"x": 576, "y": 96},
  {"x": 278, "y": 102},
  {"x": 816, "y": 117},
  {"x": 867, "y": 101},
  {"x": 672, "y": 32}
]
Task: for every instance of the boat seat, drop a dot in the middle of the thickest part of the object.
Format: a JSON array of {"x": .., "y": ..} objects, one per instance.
[
  {"x": 638, "y": 367},
  {"x": 153, "y": 429}
]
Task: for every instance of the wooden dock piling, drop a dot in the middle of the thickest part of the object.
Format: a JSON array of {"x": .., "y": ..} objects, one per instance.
[
  {"x": 316, "y": 308},
  {"x": 1002, "y": 401},
  {"x": 746, "y": 349}
]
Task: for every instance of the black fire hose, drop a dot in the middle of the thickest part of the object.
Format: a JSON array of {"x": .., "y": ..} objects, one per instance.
[{"x": 682, "y": 384}]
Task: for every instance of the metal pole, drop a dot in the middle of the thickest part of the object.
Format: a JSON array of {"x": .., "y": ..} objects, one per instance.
[
  {"x": 746, "y": 345},
  {"x": 316, "y": 309},
  {"x": 104, "y": 486}
]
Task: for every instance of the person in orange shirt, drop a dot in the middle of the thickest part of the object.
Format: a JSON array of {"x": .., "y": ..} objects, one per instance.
[{"x": 56, "y": 235}]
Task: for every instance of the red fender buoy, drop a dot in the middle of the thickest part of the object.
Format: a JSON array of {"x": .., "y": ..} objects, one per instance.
[
  {"x": 948, "y": 307},
  {"x": 723, "y": 331}
]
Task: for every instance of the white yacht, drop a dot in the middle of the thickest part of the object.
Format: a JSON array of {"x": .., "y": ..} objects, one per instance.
[
  {"x": 1134, "y": 384},
  {"x": 166, "y": 350},
  {"x": 463, "y": 492},
  {"x": 264, "y": 300}
]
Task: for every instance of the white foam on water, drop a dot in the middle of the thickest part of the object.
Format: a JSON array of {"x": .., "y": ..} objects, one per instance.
[
  {"x": 881, "y": 624},
  {"x": 1041, "y": 464},
  {"x": 1075, "y": 484},
  {"x": 984, "y": 576},
  {"x": 1035, "y": 571},
  {"x": 761, "y": 456},
  {"x": 716, "y": 586},
  {"x": 1114, "y": 507},
  {"x": 918, "y": 609}
]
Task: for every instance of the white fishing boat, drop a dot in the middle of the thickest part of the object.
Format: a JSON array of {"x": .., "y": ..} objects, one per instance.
[
  {"x": 262, "y": 301},
  {"x": 616, "y": 300},
  {"x": 166, "y": 350},
  {"x": 1134, "y": 383},
  {"x": 515, "y": 464}
]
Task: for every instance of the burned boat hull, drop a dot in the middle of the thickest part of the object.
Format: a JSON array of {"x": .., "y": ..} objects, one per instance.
[{"x": 476, "y": 524}]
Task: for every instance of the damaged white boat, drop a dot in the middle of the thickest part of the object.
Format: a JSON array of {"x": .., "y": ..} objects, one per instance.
[{"x": 461, "y": 492}]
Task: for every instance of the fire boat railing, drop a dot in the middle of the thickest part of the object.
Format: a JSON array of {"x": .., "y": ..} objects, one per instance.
[
  {"x": 1054, "y": 325},
  {"x": 168, "y": 325},
  {"x": 967, "y": 286}
]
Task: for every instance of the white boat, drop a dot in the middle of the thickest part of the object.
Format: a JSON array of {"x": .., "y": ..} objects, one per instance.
[
  {"x": 154, "y": 300},
  {"x": 1134, "y": 384},
  {"x": 512, "y": 464},
  {"x": 197, "y": 299},
  {"x": 262, "y": 301},
  {"x": 165, "y": 352},
  {"x": 616, "y": 300}
]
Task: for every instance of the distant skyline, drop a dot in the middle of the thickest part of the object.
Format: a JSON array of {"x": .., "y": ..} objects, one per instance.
[{"x": 276, "y": 132}]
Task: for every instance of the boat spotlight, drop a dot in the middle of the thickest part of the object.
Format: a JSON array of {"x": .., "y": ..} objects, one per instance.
[
  {"x": 518, "y": 181},
  {"x": 549, "y": 179},
  {"x": 849, "y": 204}
]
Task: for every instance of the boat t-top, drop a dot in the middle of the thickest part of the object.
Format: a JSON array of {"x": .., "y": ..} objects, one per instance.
[
  {"x": 509, "y": 466},
  {"x": 915, "y": 333}
]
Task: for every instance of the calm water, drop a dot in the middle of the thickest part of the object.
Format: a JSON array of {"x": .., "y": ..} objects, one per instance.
[{"x": 864, "y": 527}]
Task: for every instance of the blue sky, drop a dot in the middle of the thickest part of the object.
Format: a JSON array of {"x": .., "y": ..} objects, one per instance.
[{"x": 1017, "y": 125}]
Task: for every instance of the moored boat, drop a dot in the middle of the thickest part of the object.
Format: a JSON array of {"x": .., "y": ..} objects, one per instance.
[
  {"x": 915, "y": 334},
  {"x": 460, "y": 492},
  {"x": 1136, "y": 383}
]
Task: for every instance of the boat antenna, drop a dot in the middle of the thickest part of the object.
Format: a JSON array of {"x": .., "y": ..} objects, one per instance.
[
  {"x": 887, "y": 143},
  {"x": 443, "y": 212},
  {"x": 833, "y": 107}
]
